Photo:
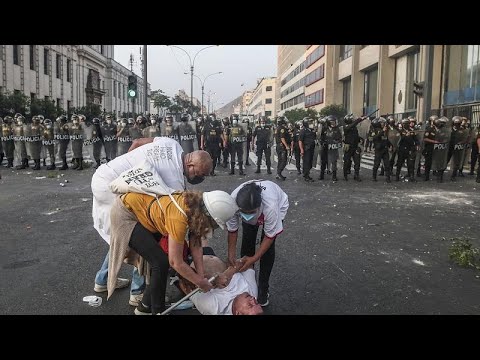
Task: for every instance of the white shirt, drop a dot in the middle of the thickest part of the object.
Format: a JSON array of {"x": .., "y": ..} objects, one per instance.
[
  {"x": 163, "y": 153},
  {"x": 219, "y": 301},
  {"x": 271, "y": 212}
]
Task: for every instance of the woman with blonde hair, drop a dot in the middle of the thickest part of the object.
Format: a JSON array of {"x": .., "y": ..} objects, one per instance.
[{"x": 139, "y": 220}]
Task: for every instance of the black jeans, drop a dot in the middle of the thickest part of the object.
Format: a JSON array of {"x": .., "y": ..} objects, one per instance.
[
  {"x": 145, "y": 244},
  {"x": 249, "y": 237},
  {"x": 308, "y": 151}
]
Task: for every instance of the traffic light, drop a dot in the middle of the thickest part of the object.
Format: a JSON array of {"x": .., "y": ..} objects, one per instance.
[
  {"x": 132, "y": 86},
  {"x": 418, "y": 88}
]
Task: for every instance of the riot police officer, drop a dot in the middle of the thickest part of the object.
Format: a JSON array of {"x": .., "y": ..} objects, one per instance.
[
  {"x": 407, "y": 150},
  {"x": 381, "y": 145},
  {"x": 33, "y": 140},
  {"x": 282, "y": 142},
  {"x": 351, "y": 149},
  {"x": 7, "y": 140},
  {"x": 19, "y": 141},
  {"x": 124, "y": 140},
  {"x": 211, "y": 138},
  {"x": 153, "y": 130},
  {"x": 333, "y": 138},
  {"x": 76, "y": 139},
  {"x": 49, "y": 142},
  {"x": 262, "y": 135},
  {"x": 306, "y": 142},
  {"x": 296, "y": 146},
  {"x": 249, "y": 141},
  {"x": 168, "y": 129},
  {"x": 199, "y": 129},
  {"x": 236, "y": 137},
  {"x": 109, "y": 133},
  {"x": 187, "y": 133},
  {"x": 62, "y": 137},
  {"x": 429, "y": 141},
  {"x": 223, "y": 149},
  {"x": 458, "y": 143}
]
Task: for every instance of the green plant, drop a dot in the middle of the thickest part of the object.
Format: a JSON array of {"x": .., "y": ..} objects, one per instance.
[
  {"x": 336, "y": 110},
  {"x": 464, "y": 254}
]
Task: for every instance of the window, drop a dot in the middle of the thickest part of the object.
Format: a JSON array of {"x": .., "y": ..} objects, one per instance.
[
  {"x": 347, "y": 86},
  {"x": 114, "y": 88},
  {"x": 315, "y": 75},
  {"x": 462, "y": 80},
  {"x": 268, "y": 101},
  {"x": 293, "y": 101},
  {"x": 119, "y": 90},
  {"x": 15, "y": 55},
  {"x": 59, "y": 103},
  {"x": 314, "y": 98},
  {"x": 45, "y": 61},
  {"x": 269, "y": 88},
  {"x": 370, "y": 91},
  {"x": 268, "y": 113},
  {"x": 16, "y": 92},
  {"x": 123, "y": 91},
  {"x": 59, "y": 66},
  {"x": 32, "y": 97},
  {"x": 69, "y": 105},
  {"x": 294, "y": 73},
  {"x": 413, "y": 68},
  {"x": 101, "y": 49},
  {"x": 69, "y": 69},
  {"x": 297, "y": 85},
  {"x": 47, "y": 98},
  {"x": 315, "y": 55},
  {"x": 345, "y": 51},
  {"x": 32, "y": 57}
]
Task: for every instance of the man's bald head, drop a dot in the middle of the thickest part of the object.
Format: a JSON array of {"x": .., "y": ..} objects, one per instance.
[{"x": 197, "y": 165}]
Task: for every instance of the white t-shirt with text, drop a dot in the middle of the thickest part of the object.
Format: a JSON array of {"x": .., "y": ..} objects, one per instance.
[
  {"x": 271, "y": 212},
  {"x": 219, "y": 301}
]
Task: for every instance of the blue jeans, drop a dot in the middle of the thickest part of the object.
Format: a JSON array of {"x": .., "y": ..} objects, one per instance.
[{"x": 138, "y": 281}]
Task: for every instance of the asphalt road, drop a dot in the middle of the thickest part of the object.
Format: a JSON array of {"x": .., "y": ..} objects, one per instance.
[{"x": 347, "y": 248}]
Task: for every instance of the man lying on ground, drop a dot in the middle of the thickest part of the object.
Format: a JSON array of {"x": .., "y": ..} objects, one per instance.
[{"x": 235, "y": 292}]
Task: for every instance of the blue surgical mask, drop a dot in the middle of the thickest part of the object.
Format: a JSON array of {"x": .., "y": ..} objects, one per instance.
[{"x": 247, "y": 217}]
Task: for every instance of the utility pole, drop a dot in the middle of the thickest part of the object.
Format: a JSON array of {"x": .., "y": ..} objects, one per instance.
[
  {"x": 427, "y": 88},
  {"x": 131, "y": 69},
  {"x": 145, "y": 85}
]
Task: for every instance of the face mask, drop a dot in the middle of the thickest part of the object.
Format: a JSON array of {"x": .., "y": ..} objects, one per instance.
[
  {"x": 75, "y": 122},
  {"x": 311, "y": 126},
  {"x": 195, "y": 180},
  {"x": 262, "y": 125},
  {"x": 153, "y": 122},
  {"x": 234, "y": 122},
  {"x": 49, "y": 126},
  {"x": 109, "y": 122},
  {"x": 20, "y": 122},
  {"x": 247, "y": 217}
]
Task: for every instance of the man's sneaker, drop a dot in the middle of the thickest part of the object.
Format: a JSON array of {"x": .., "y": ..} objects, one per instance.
[
  {"x": 121, "y": 283},
  {"x": 135, "y": 299},
  {"x": 263, "y": 299},
  {"x": 142, "y": 309}
]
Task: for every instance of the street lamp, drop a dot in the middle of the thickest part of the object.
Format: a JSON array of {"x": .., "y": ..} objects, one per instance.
[
  {"x": 209, "y": 95},
  {"x": 203, "y": 82},
  {"x": 192, "y": 64}
]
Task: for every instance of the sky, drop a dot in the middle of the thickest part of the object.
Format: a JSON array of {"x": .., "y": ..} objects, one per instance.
[{"x": 240, "y": 64}]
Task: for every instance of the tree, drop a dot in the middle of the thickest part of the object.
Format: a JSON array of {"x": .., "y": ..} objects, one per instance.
[
  {"x": 160, "y": 100},
  {"x": 11, "y": 103},
  {"x": 299, "y": 114},
  {"x": 336, "y": 110},
  {"x": 44, "y": 107}
]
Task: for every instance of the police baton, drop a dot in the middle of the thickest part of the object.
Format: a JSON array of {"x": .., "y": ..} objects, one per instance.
[
  {"x": 186, "y": 297},
  {"x": 368, "y": 116}
]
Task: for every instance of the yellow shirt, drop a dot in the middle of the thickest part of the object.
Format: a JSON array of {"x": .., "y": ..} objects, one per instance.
[{"x": 169, "y": 221}]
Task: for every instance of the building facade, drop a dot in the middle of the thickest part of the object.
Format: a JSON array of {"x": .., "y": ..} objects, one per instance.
[
  {"x": 262, "y": 102},
  {"x": 292, "y": 86},
  {"x": 72, "y": 76}
]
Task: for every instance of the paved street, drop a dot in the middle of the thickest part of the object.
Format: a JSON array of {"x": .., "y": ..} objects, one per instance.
[{"x": 347, "y": 248}]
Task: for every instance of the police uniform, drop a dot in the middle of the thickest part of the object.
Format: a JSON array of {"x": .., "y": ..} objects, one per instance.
[
  {"x": 307, "y": 137},
  {"x": 430, "y": 133},
  {"x": 262, "y": 135},
  {"x": 212, "y": 139},
  {"x": 281, "y": 133}
]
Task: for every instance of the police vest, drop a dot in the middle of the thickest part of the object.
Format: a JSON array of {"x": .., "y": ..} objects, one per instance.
[{"x": 237, "y": 135}]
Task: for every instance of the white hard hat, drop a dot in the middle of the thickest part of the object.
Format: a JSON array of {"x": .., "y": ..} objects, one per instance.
[{"x": 220, "y": 205}]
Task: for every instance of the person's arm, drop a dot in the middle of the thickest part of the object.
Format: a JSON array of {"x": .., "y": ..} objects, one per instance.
[
  {"x": 197, "y": 255},
  {"x": 301, "y": 137},
  {"x": 175, "y": 258},
  {"x": 232, "y": 246},
  {"x": 284, "y": 142},
  {"x": 139, "y": 142},
  {"x": 478, "y": 142},
  {"x": 248, "y": 261}
]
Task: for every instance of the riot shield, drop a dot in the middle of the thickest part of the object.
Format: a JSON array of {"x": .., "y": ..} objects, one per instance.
[
  {"x": 109, "y": 135},
  {"x": 419, "y": 134},
  {"x": 151, "y": 131},
  {"x": 135, "y": 133},
  {"x": 187, "y": 132},
  {"x": 170, "y": 131},
  {"x": 459, "y": 148},
  {"x": 243, "y": 137},
  {"x": 62, "y": 137},
  {"x": 393, "y": 136},
  {"x": 440, "y": 149},
  {"x": 76, "y": 140},
  {"x": 124, "y": 140},
  {"x": 88, "y": 142},
  {"x": 334, "y": 144}
]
